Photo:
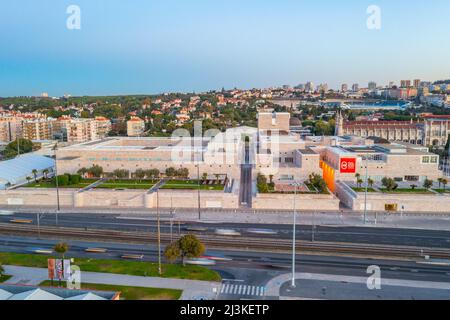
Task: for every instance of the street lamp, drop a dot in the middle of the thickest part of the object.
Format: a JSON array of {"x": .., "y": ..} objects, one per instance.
[
  {"x": 198, "y": 192},
  {"x": 159, "y": 233},
  {"x": 294, "y": 230},
  {"x": 58, "y": 206},
  {"x": 366, "y": 189}
]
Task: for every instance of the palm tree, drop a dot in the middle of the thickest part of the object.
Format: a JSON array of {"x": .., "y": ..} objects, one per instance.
[
  {"x": 62, "y": 248},
  {"x": 45, "y": 172},
  {"x": 29, "y": 179},
  {"x": 217, "y": 177},
  {"x": 444, "y": 182},
  {"x": 370, "y": 182},
  {"x": 440, "y": 182},
  {"x": 35, "y": 173},
  {"x": 359, "y": 182}
]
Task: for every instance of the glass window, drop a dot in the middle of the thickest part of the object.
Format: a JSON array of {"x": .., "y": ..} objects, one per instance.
[{"x": 426, "y": 160}]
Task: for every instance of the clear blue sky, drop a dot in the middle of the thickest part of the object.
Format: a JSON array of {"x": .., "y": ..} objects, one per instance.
[{"x": 151, "y": 46}]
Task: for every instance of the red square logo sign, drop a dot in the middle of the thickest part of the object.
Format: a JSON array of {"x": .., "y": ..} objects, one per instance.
[{"x": 348, "y": 165}]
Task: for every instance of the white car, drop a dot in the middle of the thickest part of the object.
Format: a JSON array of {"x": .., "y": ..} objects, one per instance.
[
  {"x": 262, "y": 231},
  {"x": 200, "y": 262},
  {"x": 6, "y": 213},
  {"x": 227, "y": 232}
]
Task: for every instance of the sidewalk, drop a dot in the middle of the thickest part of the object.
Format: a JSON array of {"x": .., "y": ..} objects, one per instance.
[
  {"x": 192, "y": 289},
  {"x": 274, "y": 285}
]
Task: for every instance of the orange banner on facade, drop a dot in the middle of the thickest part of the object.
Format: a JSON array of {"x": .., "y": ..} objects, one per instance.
[{"x": 51, "y": 268}]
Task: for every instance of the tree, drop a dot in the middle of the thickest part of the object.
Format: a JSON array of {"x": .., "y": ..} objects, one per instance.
[
  {"x": 190, "y": 247},
  {"x": 217, "y": 177},
  {"x": 413, "y": 186},
  {"x": 186, "y": 247},
  {"x": 35, "y": 173},
  {"x": 427, "y": 184},
  {"x": 370, "y": 182},
  {"x": 171, "y": 172},
  {"x": 389, "y": 183},
  {"x": 25, "y": 146},
  {"x": 440, "y": 182},
  {"x": 444, "y": 182},
  {"x": 95, "y": 171},
  {"x": 29, "y": 179},
  {"x": 45, "y": 173},
  {"x": 121, "y": 173},
  {"x": 83, "y": 171},
  {"x": 152, "y": 174},
  {"x": 172, "y": 252},
  {"x": 204, "y": 176},
  {"x": 183, "y": 173},
  {"x": 271, "y": 178},
  {"x": 359, "y": 182},
  {"x": 140, "y": 174},
  {"x": 2, "y": 271},
  {"x": 61, "y": 248}
]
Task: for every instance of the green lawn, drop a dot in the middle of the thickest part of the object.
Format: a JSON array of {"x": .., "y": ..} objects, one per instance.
[
  {"x": 364, "y": 190},
  {"x": 128, "y": 293},
  {"x": 190, "y": 185},
  {"x": 418, "y": 191},
  {"x": 442, "y": 190},
  {"x": 134, "y": 268},
  {"x": 127, "y": 184},
  {"x": 52, "y": 184},
  {"x": 4, "y": 278}
]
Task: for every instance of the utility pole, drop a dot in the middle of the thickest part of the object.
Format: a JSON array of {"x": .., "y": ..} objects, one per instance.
[
  {"x": 58, "y": 206},
  {"x": 366, "y": 189},
  {"x": 198, "y": 192},
  {"x": 38, "y": 225},
  {"x": 159, "y": 234},
  {"x": 294, "y": 230}
]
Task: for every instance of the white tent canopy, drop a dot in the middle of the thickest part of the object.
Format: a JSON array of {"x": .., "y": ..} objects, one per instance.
[{"x": 16, "y": 171}]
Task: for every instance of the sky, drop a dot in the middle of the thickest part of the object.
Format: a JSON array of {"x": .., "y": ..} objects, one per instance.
[{"x": 155, "y": 46}]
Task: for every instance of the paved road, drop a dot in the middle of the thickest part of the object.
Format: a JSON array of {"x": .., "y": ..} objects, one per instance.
[
  {"x": 247, "y": 274},
  {"x": 321, "y": 233}
]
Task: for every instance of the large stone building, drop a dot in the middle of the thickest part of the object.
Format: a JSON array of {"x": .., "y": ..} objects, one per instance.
[{"x": 432, "y": 131}]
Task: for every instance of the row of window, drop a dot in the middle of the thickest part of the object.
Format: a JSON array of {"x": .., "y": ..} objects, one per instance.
[{"x": 430, "y": 159}]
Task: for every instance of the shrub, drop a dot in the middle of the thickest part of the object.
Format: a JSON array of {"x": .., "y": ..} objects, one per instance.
[
  {"x": 63, "y": 180},
  {"x": 74, "y": 179}
]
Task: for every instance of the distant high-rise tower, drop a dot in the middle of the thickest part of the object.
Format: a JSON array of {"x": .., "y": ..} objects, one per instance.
[
  {"x": 355, "y": 87},
  {"x": 309, "y": 87},
  {"x": 339, "y": 129},
  {"x": 344, "y": 87},
  {"x": 372, "y": 85},
  {"x": 417, "y": 83},
  {"x": 405, "y": 83}
]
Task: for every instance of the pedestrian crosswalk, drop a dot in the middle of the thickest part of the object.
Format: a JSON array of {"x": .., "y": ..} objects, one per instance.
[{"x": 242, "y": 290}]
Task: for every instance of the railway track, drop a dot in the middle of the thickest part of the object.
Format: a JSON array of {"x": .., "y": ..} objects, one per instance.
[{"x": 238, "y": 243}]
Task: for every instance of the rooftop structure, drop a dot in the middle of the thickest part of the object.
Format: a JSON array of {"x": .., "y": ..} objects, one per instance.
[{"x": 16, "y": 292}]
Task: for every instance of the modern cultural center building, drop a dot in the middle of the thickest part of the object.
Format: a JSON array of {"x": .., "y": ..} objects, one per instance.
[
  {"x": 272, "y": 150},
  {"x": 241, "y": 154}
]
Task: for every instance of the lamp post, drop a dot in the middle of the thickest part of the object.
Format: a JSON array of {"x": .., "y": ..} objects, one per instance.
[
  {"x": 366, "y": 189},
  {"x": 159, "y": 233},
  {"x": 198, "y": 192},
  {"x": 58, "y": 206},
  {"x": 294, "y": 230}
]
